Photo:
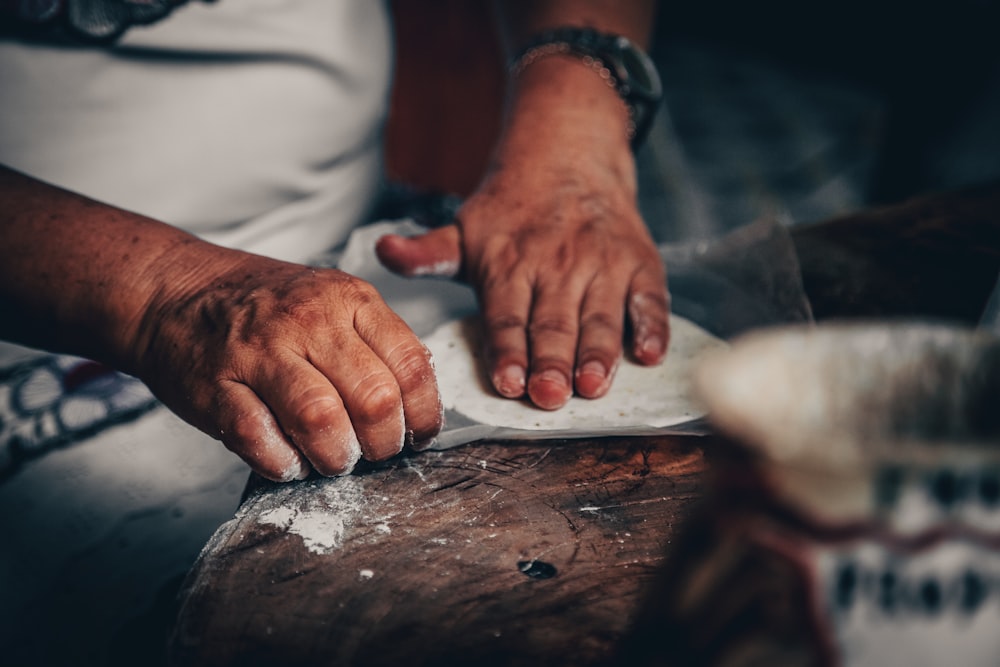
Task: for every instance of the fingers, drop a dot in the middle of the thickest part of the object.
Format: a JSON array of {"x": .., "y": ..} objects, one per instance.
[
  {"x": 436, "y": 253},
  {"x": 565, "y": 334},
  {"x": 648, "y": 313},
  {"x": 545, "y": 342},
  {"x": 298, "y": 368},
  {"x": 410, "y": 364},
  {"x": 360, "y": 390},
  {"x": 310, "y": 412},
  {"x": 506, "y": 308},
  {"x": 357, "y": 405},
  {"x": 553, "y": 333},
  {"x": 248, "y": 428},
  {"x": 602, "y": 319},
  {"x": 387, "y": 381}
]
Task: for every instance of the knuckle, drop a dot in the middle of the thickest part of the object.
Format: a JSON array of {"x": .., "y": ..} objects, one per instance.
[
  {"x": 492, "y": 279},
  {"x": 652, "y": 269},
  {"x": 377, "y": 400},
  {"x": 412, "y": 366},
  {"x": 499, "y": 268},
  {"x": 248, "y": 429},
  {"x": 307, "y": 313},
  {"x": 362, "y": 293},
  {"x": 563, "y": 259},
  {"x": 316, "y": 415},
  {"x": 505, "y": 321},
  {"x": 562, "y": 325},
  {"x": 601, "y": 321}
]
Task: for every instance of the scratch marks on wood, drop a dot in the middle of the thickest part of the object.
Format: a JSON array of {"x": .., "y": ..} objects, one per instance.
[
  {"x": 541, "y": 458},
  {"x": 457, "y": 483},
  {"x": 598, "y": 508}
]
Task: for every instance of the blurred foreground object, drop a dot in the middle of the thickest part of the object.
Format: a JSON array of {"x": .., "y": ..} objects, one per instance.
[{"x": 856, "y": 518}]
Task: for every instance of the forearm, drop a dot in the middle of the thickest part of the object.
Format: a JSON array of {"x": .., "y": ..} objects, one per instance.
[
  {"x": 75, "y": 274},
  {"x": 552, "y": 239},
  {"x": 293, "y": 368},
  {"x": 558, "y": 102}
]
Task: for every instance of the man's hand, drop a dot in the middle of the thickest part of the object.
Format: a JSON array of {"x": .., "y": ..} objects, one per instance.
[
  {"x": 556, "y": 281},
  {"x": 291, "y": 367},
  {"x": 554, "y": 244}
]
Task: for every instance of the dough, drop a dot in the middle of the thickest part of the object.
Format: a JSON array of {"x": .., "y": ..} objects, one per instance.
[{"x": 641, "y": 400}]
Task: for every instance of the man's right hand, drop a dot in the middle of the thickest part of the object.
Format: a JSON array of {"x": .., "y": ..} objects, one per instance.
[
  {"x": 293, "y": 368},
  {"x": 290, "y": 367}
]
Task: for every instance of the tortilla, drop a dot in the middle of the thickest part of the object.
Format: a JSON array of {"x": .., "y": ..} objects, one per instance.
[{"x": 642, "y": 399}]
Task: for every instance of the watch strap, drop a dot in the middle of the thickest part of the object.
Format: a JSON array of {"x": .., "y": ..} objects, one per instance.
[{"x": 614, "y": 58}]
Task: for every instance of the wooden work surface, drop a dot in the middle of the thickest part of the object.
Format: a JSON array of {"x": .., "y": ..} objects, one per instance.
[
  {"x": 489, "y": 554},
  {"x": 533, "y": 554}
]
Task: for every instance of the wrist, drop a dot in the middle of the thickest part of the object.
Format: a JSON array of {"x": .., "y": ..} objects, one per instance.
[
  {"x": 559, "y": 109},
  {"x": 620, "y": 63},
  {"x": 184, "y": 268},
  {"x": 559, "y": 52}
]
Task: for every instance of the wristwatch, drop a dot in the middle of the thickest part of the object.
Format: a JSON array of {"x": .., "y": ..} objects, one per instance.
[{"x": 624, "y": 66}]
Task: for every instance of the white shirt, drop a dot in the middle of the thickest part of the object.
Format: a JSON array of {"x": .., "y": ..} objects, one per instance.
[{"x": 253, "y": 123}]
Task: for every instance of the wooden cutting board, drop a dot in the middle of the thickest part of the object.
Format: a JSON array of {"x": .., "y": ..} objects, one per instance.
[{"x": 489, "y": 554}]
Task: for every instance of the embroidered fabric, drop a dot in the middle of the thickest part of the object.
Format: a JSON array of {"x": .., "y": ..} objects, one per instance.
[{"x": 94, "y": 20}]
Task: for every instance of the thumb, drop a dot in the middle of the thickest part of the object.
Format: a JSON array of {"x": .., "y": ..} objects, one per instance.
[{"x": 436, "y": 253}]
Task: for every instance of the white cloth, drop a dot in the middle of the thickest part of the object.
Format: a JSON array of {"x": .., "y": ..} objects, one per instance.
[{"x": 253, "y": 123}]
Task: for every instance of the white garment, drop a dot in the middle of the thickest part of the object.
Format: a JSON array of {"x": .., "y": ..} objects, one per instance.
[{"x": 253, "y": 123}]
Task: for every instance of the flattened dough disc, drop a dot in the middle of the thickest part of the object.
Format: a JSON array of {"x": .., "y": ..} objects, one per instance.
[{"x": 642, "y": 400}]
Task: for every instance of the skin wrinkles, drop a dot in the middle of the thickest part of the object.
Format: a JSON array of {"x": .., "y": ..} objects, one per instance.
[
  {"x": 268, "y": 324},
  {"x": 551, "y": 234},
  {"x": 315, "y": 412},
  {"x": 412, "y": 365},
  {"x": 554, "y": 324},
  {"x": 603, "y": 320},
  {"x": 255, "y": 437},
  {"x": 373, "y": 399}
]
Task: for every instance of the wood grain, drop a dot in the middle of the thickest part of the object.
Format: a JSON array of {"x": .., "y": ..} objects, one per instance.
[
  {"x": 489, "y": 554},
  {"x": 533, "y": 554}
]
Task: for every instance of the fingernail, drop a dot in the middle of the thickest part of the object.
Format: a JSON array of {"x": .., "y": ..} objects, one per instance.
[
  {"x": 651, "y": 346},
  {"x": 510, "y": 381},
  {"x": 594, "y": 369},
  {"x": 592, "y": 379},
  {"x": 550, "y": 389},
  {"x": 554, "y": 376},
  {"x": 296, "y": 471}
]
